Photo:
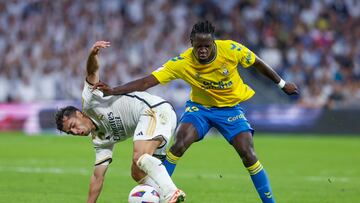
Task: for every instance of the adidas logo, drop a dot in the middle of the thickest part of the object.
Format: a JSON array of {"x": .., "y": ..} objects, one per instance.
[{"x": 140, "y": 133}]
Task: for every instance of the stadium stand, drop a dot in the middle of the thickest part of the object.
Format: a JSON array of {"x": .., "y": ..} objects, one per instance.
[{"x": 44, "y": 44}]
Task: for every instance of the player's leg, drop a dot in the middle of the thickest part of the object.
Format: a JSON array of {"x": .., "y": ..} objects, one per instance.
[
  {"x": 233, "y": 125},
  {"x": 193, "y": 127},
  {"x": 185, "y": 135},
  {"x": 243, "y": 144},
  {"x": 145, "y": 168},
  {"x": 157, "y": 172},
  {"x": 151, "y": 136},
  {"x": 141, "y": 147}
]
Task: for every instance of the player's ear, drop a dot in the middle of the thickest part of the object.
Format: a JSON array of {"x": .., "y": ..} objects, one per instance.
[{"x": 79, "y": 114}]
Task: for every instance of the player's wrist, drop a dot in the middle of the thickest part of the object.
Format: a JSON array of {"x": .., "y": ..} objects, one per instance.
[{"x": 281, "y": 84}]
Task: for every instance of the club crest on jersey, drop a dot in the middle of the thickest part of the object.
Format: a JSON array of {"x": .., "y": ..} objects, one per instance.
[
  {"x": 225, "y": 71},
  {"x": 163, "y": 118}
]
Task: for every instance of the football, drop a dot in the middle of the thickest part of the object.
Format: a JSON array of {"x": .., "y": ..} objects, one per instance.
[{"x": 144, "y": 193}]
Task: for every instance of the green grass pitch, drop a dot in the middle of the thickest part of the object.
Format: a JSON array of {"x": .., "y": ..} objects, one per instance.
[{"x": 302, "y": 169}]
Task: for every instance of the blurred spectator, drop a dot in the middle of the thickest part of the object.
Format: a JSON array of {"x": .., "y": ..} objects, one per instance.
[
  {"x": 313, "y": 96},
  {"x": 44, "y": 43},
  {"x": 336, "y": 98}
]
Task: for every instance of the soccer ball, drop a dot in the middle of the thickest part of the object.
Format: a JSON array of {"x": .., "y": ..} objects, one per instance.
[{"x": 144, "y": 194}]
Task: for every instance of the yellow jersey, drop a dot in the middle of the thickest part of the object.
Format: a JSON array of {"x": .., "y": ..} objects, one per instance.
[{"x": 217, "y": 83}]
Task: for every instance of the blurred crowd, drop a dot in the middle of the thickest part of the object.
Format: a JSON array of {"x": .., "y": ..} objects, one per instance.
[{"x": 44, "y": 44}]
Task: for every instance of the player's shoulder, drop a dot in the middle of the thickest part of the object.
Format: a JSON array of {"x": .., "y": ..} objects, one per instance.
[
  {"x": 89, "y": 96},
  {"x": 145, "y": 96},
  {"x": 181, "y": 58},
  {"x": 228, "y": 44}
]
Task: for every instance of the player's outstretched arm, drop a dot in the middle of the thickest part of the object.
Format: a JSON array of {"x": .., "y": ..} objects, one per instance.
[
  {"x": 141, "y": 84},
  {"x": 96, "y": 183},
  {"x": 92, "y": 65},
  {"x": 288, "y": 87}
]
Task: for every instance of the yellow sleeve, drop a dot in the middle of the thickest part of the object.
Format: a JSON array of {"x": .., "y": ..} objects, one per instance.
[
  {"x": 169, "y": 71},
  {"x": 244, "y": 56}
]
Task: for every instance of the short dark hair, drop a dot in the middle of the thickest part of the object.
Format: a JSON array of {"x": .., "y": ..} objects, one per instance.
[
  {"x": 61, "y": 113},
  {"x": 204, "y": 27}
]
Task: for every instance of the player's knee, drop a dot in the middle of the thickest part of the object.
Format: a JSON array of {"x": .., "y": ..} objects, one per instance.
[
  {"x": 179, "y": 148},
  {"x": 136, "y": 157},
  {"x": 182, "y": 142},
  {"x": 247, "y": 155},
  {"x": 175, "y": 149}
]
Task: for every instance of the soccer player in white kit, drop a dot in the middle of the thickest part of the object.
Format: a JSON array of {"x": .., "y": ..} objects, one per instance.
[{"x": 149, "y": 119}]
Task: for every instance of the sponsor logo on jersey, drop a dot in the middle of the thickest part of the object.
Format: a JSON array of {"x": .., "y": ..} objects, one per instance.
[
  {"x": 216, "y": 85},
  {"x": 115, "y": 125}
]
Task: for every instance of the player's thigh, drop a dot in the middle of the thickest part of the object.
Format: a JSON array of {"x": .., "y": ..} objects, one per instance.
[
  {"x": 157, "y": 124},
  {"x": 186, "y": 134},
  {"x": 145, "y": 147},
  {"x": 231, "y": 122},
  {"x": 194, "y": 123}
]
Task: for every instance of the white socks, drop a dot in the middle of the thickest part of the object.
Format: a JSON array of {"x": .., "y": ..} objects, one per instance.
[
  {"x": 154, "y": 168},
  {"x": 149, "y": 181}
]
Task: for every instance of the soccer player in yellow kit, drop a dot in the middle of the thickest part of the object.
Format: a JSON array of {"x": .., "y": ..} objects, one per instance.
[{"x": 210, "y": 67}]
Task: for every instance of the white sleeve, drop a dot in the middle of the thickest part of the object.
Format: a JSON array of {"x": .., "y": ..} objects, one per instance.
[
  {"x": 103, "y": 155},
  {"x": 90, "y": 96}
]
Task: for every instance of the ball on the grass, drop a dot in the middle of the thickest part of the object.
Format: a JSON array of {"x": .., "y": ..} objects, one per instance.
[{"x": 144, "y": 193}]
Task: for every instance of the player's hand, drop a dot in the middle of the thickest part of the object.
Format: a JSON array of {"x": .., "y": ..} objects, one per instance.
[
  {"x": 106, "y": 89},
  {"x": 290, "y": 88},
  {"x": 99, "y": 45}
]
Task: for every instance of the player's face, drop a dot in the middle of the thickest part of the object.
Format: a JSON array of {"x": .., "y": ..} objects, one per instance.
[
  {"x": 77, "y": 124},
  {"x": 203, "y": 45}
]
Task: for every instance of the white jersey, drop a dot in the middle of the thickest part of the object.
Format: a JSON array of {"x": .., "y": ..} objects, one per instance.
[{"x": 118, "y": 118}]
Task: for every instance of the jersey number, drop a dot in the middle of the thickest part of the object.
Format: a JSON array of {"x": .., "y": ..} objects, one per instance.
[{"x": 191, "y": 109}]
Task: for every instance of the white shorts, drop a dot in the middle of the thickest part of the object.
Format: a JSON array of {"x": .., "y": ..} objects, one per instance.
[{"x": 155, "y": 122}]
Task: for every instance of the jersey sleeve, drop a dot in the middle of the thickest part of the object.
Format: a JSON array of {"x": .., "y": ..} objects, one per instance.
[
  {"x": 169, "y": 71},
  {"x": 90, "y": 96},
  {"x": 245, "y": 57},
  {"x": 103, "y": 154}
]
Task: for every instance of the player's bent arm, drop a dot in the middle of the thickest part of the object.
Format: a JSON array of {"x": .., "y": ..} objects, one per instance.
[
  {"x": 141, "y": 84},
  {"x": 92, "y": 64},
  {"x": 288, "y": 87},
  {"x": 266, "y": 70},
  {"x": 92, "y": 68},
  {"x": 96, "y": 183}
]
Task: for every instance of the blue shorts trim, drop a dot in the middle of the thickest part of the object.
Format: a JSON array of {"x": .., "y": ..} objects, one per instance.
[{"x": 229, "y": 121}]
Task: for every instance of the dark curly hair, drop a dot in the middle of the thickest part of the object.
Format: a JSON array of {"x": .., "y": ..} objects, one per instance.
[
  {"x": 61, "y": 113},
  {"x": 204, "y": 27}
]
